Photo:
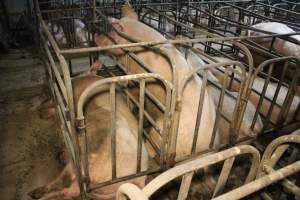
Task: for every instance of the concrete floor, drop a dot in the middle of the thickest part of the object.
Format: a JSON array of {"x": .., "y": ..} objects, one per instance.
[{"x": 29, "y": 146}]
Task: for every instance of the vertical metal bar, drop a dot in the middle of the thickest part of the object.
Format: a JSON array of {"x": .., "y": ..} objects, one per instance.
[
  {"x": 185, "y": 185},
  {"x": 288, "y": 100},
  {"x": 262, "y": 95},
  {"x": 85, "y": 158},
  {"x": 219, "y": 108},
  {"x": 199, "y": 112},
  {"x": 113, "y": 129},
  {"x": 166, "y": 133},
  {"x": 223, "y": 176},
  {"x": 273, "y": 102},
  {"x": 141, "y": 123}
]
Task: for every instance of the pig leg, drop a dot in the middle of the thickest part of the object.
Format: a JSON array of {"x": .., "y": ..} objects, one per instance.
[
  {"x": 64, "y": 180},
  {"x": 65, "y": 194},
  {"x": 94, "y": 68},
  {"x": 47, "y": 109}
]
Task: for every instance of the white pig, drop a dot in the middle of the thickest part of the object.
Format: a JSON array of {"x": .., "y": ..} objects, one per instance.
[
  {"x": 280, "y": 46},
  {"x": 98, "y": 126},
  {"x": 159, "y": 64},
  {"x": 228, "y": 105}
]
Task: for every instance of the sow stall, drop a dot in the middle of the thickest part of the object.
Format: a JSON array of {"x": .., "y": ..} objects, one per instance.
[
  {"x": 232, "y": 20},
  {"x": 60, "y": 58},
  {"x": 260, "y": 175}
]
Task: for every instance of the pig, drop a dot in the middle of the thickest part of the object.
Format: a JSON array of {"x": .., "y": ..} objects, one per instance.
[
  {"x": 161, "y": 66},
  {"x": 128, "y": 10},
  {"x": 97, "y": 115},
  {"x": 280, "y": 46},
  {"x": 258, "y": 85},
  {"x": 270, "y": 92},
  {"x": 81, "y": 33},
  {"x": 228, "y": 104},
  {"x": 57, "y": 31}
]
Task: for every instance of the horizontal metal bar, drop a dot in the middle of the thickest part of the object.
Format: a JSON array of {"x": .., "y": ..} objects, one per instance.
[
  {"x": 261, "y": 183},
  {"x": 179, "y": 41},
  {"x": 287, "y": 184}
]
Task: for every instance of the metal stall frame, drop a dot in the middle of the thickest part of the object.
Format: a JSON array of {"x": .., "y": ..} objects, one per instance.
[
  {"x": 112, "y": 82},
  {"x": 246, "y": 41},
  {"x": 187, "y": 171},
  {"x": 285, "y": 107},
  {"x": 265, "y": 174},
  {"x": 62, "y": 90}
]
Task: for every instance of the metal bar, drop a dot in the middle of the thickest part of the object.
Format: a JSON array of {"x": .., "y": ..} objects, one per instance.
[
  {"x": 55, "y": 70},
  {"x": 268, "y": 116},
  {"x": 219, "y": 109},
  {"x": 125, "y": 178},
  {"x": 260, "y": 183},
  {"x": 178, "y": 41},
  {"x": 113, "y": 130},
  {"x": 185, "y": 186},
  {"x": 287, "y": 184},
  {"x": 199, "y": 112},
  {"x": 262, "y": 96},
  {"x": 200, "y": 163},
  {"x": 141, "y": 123},
  {"x": 223, "y": 177}
]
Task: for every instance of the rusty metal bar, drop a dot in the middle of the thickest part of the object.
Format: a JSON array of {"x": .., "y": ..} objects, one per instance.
[
  {"x": 219, "y": 109},
  {"x": 179, "y": 41},
  {"x": 185, "y": 186},
  {"x": 141, "y": 123},
  {"x": 261, "y": 98},
  {"x": 287, "y": 184},
  {"x": 268, "y": 116},
  {"x": 223, "y": 177},
  {"x": 199, "y": 112},
  {"x": 260, "y": 183},
  {"x": 188, "y": 169},
  {"x": 113, "y": 130}
]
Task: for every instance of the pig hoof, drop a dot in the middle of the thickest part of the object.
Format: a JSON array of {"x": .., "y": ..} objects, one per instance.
[{"x": 38, "y": 193}]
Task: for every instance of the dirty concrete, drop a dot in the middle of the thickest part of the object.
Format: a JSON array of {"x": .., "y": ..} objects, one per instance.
[{"x": 29, "y": 146}]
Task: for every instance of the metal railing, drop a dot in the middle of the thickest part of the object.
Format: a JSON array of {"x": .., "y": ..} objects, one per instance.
[
  {"x": 258, "y": 177},
  {"x": 56, "y": 61},
  {"x": 188, "y": 170}
]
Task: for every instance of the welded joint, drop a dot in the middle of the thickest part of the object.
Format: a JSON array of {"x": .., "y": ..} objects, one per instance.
[{"x": 80, "y": 124}]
